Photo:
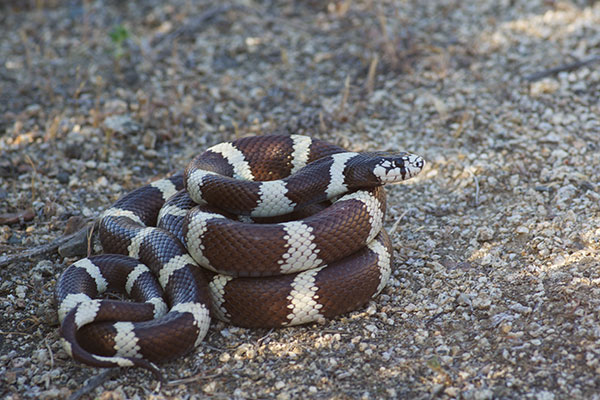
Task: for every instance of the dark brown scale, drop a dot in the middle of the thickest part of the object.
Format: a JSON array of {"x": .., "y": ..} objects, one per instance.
[
  {"x": 302, "y": 213},
  {"x": 350, "y": 276},
  {"x": 147, "y": 209},
  {"x": 340, "y": 236},
  {"x": 320, "y": 149},
  {"x": 257, "y": 303},
  {"x": 231, "y": 195},
  {"x": 174, "y": 223},
  {"x": 115, "y": 268},
  {"x": 241, "y": 249},
  {"x": 308, "y": 185},
  {"x": 116, "y": 233},
  {"x": 270, "y": 158},
  {"x": 211, "y": 161}
]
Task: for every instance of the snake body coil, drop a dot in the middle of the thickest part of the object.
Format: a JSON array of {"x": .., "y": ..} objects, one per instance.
[{"x": 223, "y": 236}]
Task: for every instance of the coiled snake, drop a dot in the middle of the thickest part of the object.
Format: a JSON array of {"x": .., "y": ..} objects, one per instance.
[{"x": 188, "y": 246}]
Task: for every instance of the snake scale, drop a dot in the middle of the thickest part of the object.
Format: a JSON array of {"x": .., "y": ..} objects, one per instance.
[{"x": 264, "y": 231}]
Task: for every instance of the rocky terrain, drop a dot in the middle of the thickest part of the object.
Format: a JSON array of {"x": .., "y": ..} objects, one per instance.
[{"x": 495, "y": 290}]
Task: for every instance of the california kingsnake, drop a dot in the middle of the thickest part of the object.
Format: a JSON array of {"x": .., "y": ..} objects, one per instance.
[{"x": 278, "y": 272}]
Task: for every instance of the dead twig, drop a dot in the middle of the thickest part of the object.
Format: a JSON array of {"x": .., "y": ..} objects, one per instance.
[
  {"x": 476, "y": 181},
  {"x": 50, "y": 353},
  {"x": 370, "y": 84},
  {"x": 565, "y": 67},
  {"x": 90, "y": 234},
  {"x": 94, "y": 382},
  {"x": 193, "y": 378},
  {"x": 345, "y": 96},
  {"x": 39, "y": 250},
  {"x": 193, "y": 25}
]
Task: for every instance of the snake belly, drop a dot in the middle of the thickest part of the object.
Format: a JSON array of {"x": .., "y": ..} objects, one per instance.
[{"x": 265, "y": 231}]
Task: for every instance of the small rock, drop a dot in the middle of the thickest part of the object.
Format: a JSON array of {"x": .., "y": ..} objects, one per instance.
[
  {"x": 33, "y": 110},
  {"x": 63, "y": 177},
  {"x": 74, "y": 224},
  {"x": 14, "y": 240},
  {"x": 521, "y": 309},
  {"x": 482, "y": 302},
  {"x": 210, "y": 387},
  {"x": 17, "y": 217},
  {"x": 74, "y": 151},
  {"x": 564, "y": 196},
  {"x": 76, "y": 247},
  {"x": 149, "y": 140},
  {"x": 485, "y": 234},
  {"x": 115, "y": 106},
  {"x": 522, "y": 230},
  {"x": 121, "y": 124},
  {"x": 21, "y": 291}
]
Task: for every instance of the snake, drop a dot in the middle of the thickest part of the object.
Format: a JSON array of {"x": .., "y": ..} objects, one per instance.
[{"x": 260, "y": 232}]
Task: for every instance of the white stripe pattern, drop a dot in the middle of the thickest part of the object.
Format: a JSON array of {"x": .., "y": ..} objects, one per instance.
[
  {"x": 133, "y": 249},
  {"x": 70, "y": 302},
  {"x": 301, "y": 251},
  {"x": 195, "y": 181},
  {"x": 197, "y": 227},
  {"x": 383, "y": 262},
  {"x": 336, "y": 174},
  {"x": 160, "y": 307},
  {"x": 217, "y": 295},
  {"x": 301, "y": 151},
  {"x": 67, "y": 346},
  {"x": 241, "y": 168},
  {"x": 302, "y": 300},
  {"x": 166, "y": 187},
  {"x": 126, "y": 340},
  {"x": 201, "y": 317},
  {"x": 117, "y": 212},
  {"x": 173, "y": 265},
  {"x": 170, "y": 209},
  {"x": 273, "y": 200},
  {"x": 94, "y": 272},
  {"x": 86, "y": 312},
  {"x": 133, "y": 275},
  {"x": 120, "y": 361}
]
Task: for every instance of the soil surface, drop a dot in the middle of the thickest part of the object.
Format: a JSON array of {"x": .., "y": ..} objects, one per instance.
[{"x": 495, "y": 291}]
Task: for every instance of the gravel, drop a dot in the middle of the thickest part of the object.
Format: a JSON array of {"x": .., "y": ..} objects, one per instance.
[{"x": 496, "y": 285}]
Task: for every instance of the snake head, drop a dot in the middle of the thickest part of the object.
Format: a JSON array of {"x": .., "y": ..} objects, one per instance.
[{"x": 392, "y": 168}]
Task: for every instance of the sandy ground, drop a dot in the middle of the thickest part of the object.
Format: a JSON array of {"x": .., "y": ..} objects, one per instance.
[{"x": 496, "y": 285}]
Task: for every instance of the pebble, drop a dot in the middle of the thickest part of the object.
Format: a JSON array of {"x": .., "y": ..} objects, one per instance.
[
  {"x": 63, "y": 177},
  {"x": 76, "y": 246},
  {"x": 485, "y": 234},
  {"x": 123, "y": 124}
]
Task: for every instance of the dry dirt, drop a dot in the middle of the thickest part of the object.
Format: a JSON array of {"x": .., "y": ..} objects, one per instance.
[{"x": 496, "y": 285}]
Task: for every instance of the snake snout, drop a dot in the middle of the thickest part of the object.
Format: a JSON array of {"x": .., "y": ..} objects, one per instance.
[{"x": 398, "y": 168}]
